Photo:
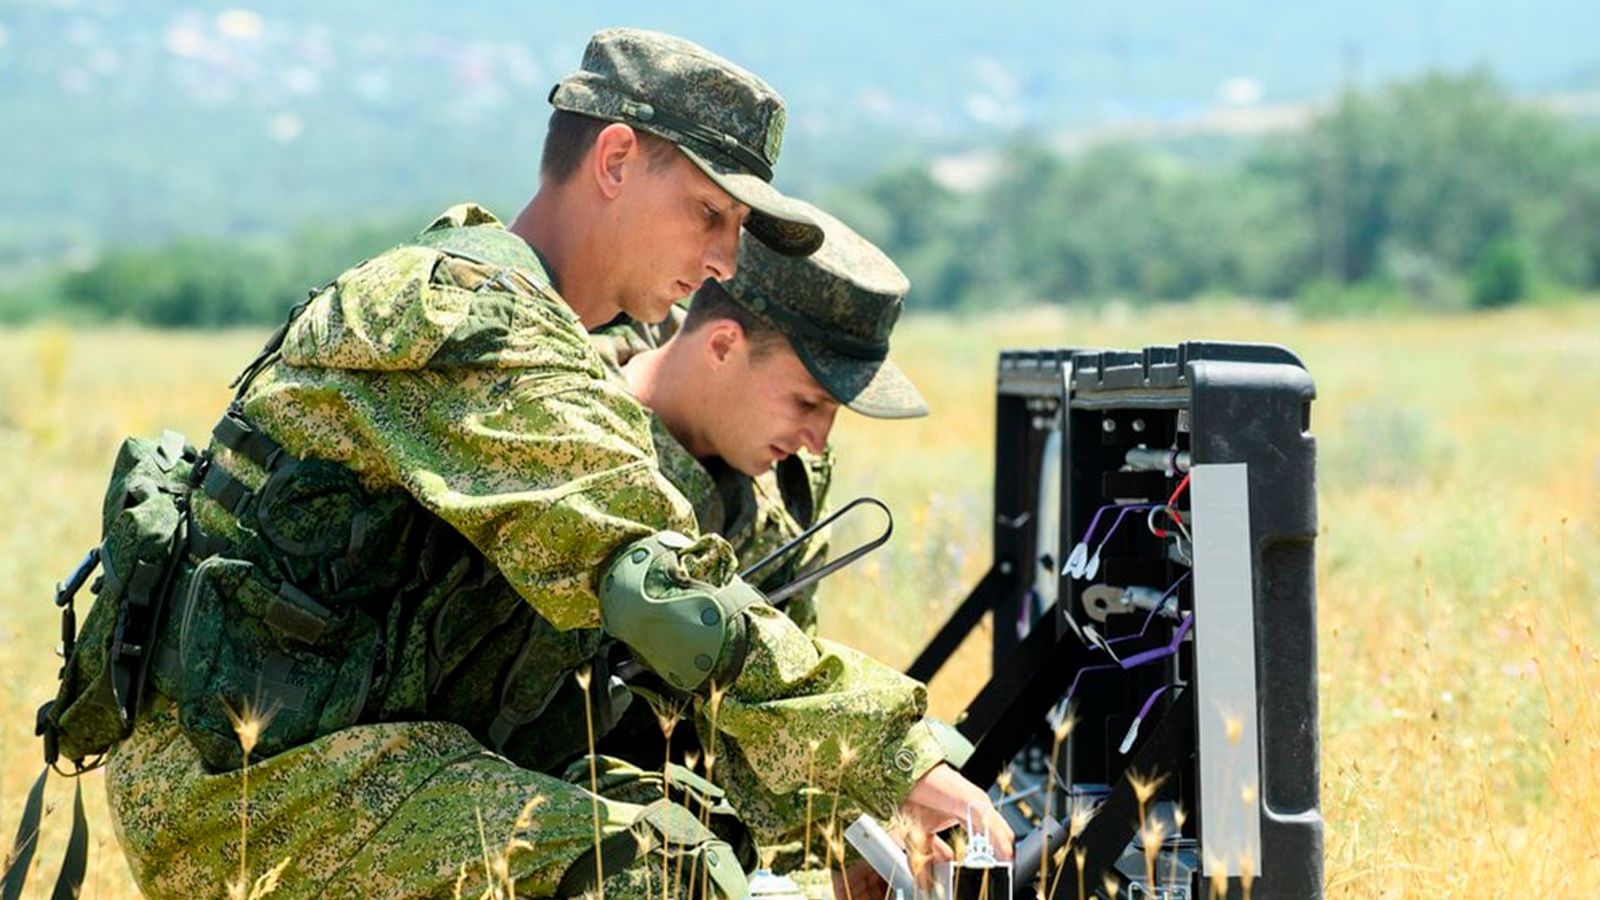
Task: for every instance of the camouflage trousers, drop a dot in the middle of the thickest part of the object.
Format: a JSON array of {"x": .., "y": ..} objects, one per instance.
[{"x": 413, "y": 809}]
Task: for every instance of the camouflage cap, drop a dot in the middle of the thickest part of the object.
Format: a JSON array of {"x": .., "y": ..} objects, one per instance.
[
  {"x": 837, "y": 307},
  {"x": 726, "y": 120}
]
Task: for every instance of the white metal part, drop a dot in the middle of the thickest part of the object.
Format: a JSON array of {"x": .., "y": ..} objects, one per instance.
[
  {"x": 1047, "y": 578},
  {"x": 1157, "y": 459},
  {"x": 882, "y": 853},
  {"x": 1225, "y": 669}
]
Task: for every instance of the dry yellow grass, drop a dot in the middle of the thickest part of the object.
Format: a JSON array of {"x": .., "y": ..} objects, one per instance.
[{"x": 1460, "y": 509}]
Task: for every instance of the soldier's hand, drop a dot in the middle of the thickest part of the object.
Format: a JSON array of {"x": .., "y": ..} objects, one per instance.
[{"x": 943, "y": 797}]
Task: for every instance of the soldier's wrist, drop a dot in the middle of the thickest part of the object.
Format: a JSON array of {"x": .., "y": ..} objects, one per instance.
[{"x": 905, "y": 763}]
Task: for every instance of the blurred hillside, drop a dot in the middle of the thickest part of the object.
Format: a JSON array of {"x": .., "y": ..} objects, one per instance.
[
  {"x": 130, "y": 123},
  {"x": 1443, "y": 193}
]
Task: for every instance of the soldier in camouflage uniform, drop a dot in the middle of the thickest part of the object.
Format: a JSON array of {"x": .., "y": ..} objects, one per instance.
[
  {"x": 759, "y": 487},
  {"x": 398, "y": 608},
  {"x": 755, "y": 513},
  {"x": 743, "y": 388}
]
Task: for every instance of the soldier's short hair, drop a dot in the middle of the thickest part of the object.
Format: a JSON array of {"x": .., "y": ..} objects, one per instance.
[
  {"x": 570, "y": 135},
  {"x": 712, "y": 303}
]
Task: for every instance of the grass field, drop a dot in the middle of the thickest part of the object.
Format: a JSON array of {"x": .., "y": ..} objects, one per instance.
[{"x": 1458, "y": 561}]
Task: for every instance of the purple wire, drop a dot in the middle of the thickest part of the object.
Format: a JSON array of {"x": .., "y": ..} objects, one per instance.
[
  {"x": 1072, "y": 689},
  {"x": 1138, "y": 659},
  {"x": 1134, "y": 507},
  {"x": 1153, "y": 610},
  {"x": 1095, "y": 522},
  {"x": 1145, "y": 709},
  {"x": 1089, "y": 532}
]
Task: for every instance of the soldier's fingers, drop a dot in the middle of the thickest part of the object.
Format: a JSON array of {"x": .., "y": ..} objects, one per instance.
[{"x": 923, "y": 849}]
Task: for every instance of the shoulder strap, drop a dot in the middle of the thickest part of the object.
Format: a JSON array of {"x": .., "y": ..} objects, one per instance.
[{"x": 74, "y": 862}]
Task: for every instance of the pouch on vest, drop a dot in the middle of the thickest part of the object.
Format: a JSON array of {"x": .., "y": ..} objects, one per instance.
[
  {"x": 252, "y": 648},
  {"x": 276, "y": 636},
  {"x": 108, "y": 660}
]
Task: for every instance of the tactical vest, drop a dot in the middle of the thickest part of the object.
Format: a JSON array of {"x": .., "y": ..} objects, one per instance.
[{"x": 243, "y": 582}]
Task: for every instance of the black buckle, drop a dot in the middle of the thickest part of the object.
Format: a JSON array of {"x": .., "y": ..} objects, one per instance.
[{"x": 68, "y": 589}]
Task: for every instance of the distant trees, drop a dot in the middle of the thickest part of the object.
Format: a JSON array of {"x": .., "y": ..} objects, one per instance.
[
  {"x": 1441, "y": 192},
  {"x": 203, "y": 283}
]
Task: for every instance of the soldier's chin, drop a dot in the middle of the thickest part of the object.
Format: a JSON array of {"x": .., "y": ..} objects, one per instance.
[
  {"x": 650, "y": 312},
  {"x": 755, "y": 466}
]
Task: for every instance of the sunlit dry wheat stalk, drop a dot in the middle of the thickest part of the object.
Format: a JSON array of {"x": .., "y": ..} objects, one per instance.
[
  {"x": 1178, "y": 818},
  {"x": 668, "y": 715},
  {"x": 691, "y": 759},
  {"x": 1151, "y": 835},
  {"x": 489, "y": 889},
  {"x": 248, "y": 723},
  {"x": 811, "y": 792},
  {"x": 714, "y": 704},
  {"x": 1077, "y": 822},
  {"x": 1059, "y": 734},
  {"x": 1217, "y": 867},
  {"x": 584, "y": 675},
  {"x": 514, "y": 844}
]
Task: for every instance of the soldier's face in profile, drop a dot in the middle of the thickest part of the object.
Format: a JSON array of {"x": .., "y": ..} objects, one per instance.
[
  {"x": 680, "y": 228},
  {"x": 762, "y": 404}
]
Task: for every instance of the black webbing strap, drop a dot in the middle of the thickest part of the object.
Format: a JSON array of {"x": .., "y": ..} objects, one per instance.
[
  {"x": 229, "y": 492},
  {"x": 144, "y": 598},
  {"x": 203, "y": 544},
  {"x": 236, "y": 433},
  {"x": 74, "y": 862},
  {"x": 27, "y": 840}
]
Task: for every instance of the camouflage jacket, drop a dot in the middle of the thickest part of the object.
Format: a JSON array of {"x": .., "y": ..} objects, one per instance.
[
  {"x": 755, "y": 515},
  {"x": 471, "y": 387}
]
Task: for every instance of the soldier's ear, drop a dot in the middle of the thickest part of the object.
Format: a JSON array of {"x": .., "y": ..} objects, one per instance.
[
  {"x": 724, "y": 341},
  {"x": 613, "y": 147}
]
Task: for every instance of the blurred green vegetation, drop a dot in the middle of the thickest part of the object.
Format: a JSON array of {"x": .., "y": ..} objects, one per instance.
[{"x": 1442, "y": 193}]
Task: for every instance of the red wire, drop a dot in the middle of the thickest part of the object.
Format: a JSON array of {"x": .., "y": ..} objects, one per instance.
[
  {"x": 1176, "y": 493},
  {"x": 1171, "y": 510}
]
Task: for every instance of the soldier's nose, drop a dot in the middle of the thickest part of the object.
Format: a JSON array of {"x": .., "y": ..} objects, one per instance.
[
  {"x": 824, "y": 427},
  {"x": 814, "y": 436},
  {"x": 722, "y": 254}
]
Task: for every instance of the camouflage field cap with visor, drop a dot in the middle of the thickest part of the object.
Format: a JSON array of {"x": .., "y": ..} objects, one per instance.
[
  {"x": 837, "y": 307},
  {"x": 726, "y": 120}
]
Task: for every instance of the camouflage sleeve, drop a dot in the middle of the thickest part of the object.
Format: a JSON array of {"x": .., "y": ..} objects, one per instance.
[
  {"x": 809, "y": 713},
  {"x": 405, "y": 373}
]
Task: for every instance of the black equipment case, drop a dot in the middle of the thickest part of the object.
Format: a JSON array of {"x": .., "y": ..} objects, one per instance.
[{"x": 1176, "y": 487}]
